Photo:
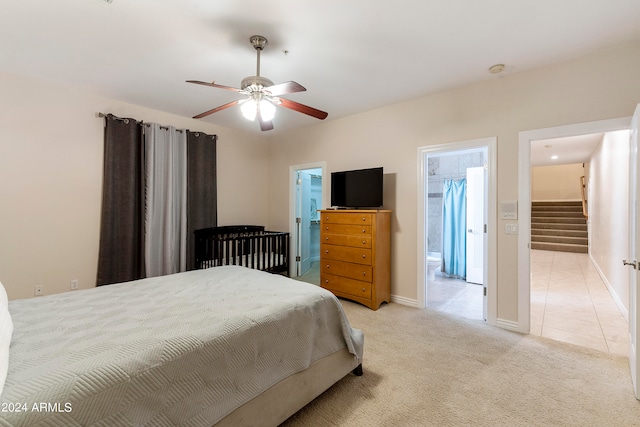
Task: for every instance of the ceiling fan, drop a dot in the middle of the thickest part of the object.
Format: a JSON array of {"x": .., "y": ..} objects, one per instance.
[{"x": 262, "y": 95}]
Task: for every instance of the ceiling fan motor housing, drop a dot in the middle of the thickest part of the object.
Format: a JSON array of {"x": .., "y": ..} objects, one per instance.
[{"x": 255, "y": 83}]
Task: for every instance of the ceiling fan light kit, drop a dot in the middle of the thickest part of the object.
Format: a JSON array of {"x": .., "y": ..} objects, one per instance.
[{"x": 262, "y": 95}]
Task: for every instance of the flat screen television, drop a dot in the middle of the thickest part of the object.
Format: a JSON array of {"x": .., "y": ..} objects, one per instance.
[{"x": 360, "y": 188}]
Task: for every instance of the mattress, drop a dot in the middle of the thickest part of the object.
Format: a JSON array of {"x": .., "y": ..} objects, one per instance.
[{"x": 186, "y": 349}]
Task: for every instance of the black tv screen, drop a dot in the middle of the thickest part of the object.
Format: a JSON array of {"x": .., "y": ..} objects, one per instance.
[{"x": 357, "y": 188}]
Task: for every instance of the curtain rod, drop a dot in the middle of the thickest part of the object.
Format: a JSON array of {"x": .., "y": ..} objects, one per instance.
[{"x": 126, "y": 121}]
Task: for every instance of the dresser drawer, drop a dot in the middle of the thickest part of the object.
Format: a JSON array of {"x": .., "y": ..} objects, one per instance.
[
  {"x": 345, "y": 240},
  {"x": 346, "y": 286},
  {"x": 346, "y": 229},
  {"x": 347, "y": 269},
  {"x": 346, "y": 218},
  {"x": 346, "y": 253}
]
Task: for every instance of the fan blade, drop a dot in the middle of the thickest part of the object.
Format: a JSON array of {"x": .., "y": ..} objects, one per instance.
[
  {"x": 212, "y": 84},
  {"x": 284, "y": 88},
  {"x": 265, "y": 125},
  {"x": 215, "y": 110},
  {"x": 304, "y": 109}
]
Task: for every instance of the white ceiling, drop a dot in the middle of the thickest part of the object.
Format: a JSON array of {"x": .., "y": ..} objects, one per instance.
[
  {"x": 352, "y": 56},
  {"x": 568, "y": 150}
]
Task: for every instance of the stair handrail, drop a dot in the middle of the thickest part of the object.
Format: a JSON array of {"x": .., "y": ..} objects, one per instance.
[{"x": 584, "y": 198}]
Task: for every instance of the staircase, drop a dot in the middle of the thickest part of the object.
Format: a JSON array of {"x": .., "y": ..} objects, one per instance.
[{"x": 559, "y": 226}]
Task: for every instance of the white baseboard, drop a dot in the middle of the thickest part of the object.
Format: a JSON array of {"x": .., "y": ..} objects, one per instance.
[
  {"x": 509, "y": 325},
  {"x": 404, "y": 301},
  {"x": 612, "y": 292}
]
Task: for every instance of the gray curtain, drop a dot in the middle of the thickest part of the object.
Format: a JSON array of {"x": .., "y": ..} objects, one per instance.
[
  {"x": 165, "y": 200},
  {"x": 121, "y": 250},
  {"x": 202, "y": 193}
]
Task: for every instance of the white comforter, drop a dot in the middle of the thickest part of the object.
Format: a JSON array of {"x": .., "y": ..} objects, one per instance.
[{"x": 185, "y": 349}]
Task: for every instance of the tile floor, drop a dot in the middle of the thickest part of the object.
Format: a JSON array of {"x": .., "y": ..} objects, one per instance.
[
  {"x": 569, "y": 302},
  {"x": 455, "y": 296},
  {"x": 313, "y": 275}
]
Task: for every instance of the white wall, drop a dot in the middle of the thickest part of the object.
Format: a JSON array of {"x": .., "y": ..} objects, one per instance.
[
  {"x": 608, "y": 212},
  {"x": 51, "y": 175},
  {"x": 556, "y": 182},
  {"x": 599, "y": 86}
]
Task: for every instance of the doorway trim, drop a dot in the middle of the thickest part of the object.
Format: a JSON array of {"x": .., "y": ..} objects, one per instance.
[
  {"x": 524, "y": 203},
  {"x": 491, "y": 252},
  {"x": 293, "y": 230}
]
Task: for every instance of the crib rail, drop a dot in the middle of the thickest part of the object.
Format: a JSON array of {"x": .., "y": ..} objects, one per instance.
[{"x": 248, "y": 246}]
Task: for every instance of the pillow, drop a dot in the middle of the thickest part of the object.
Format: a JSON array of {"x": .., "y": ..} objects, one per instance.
[{"x": 6, "y": 330}]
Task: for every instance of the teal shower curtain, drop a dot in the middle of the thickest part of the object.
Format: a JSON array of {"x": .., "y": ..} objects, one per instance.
[{"x": 454, "y": 224}]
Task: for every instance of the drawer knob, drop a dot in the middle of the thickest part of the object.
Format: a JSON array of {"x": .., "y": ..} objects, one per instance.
[
  {"x": 326, "y": 280},
  {"x": 326, "y": 238},
  {"x": 327, "y": 265},
  {"x": 363, "y": 290},
  {"x": 364, "y": 218},
  {"x": 364, "y": 231},
  {"x": 364, "y": 273},
  {"x": 326, "y": 251},
  {"x": 364, "y": 256},
  {"x": 364, "y": 242}
]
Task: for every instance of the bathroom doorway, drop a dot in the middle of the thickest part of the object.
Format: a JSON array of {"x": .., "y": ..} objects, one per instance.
[
  {"x": 445, "y": 283},
  {"x": 307, "y": 198}
]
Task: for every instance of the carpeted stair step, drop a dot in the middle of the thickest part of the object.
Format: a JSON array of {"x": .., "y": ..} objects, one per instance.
[
  {"x": 565, "y": 214},
  {"x": 559, "y": 232},
  {"x": 560, "y": 247},
  {"x": 558, "y": 226},
  {"x": 559, "y": 219},
  {"x": 560, "y": 239}
]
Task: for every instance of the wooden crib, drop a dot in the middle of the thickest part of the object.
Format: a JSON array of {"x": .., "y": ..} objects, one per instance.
[{"x": 245, "y": 245}]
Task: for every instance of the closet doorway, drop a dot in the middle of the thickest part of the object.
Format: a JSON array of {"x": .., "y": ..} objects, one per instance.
[{"x": 307, "y": 197}]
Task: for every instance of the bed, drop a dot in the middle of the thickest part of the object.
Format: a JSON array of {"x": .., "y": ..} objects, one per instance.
[
  {"x": 246, "y": 245},
  {"x": 227, "y": 346}
]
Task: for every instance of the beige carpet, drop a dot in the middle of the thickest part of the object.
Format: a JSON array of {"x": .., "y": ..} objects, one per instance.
[{"x": 424, "y": 368}]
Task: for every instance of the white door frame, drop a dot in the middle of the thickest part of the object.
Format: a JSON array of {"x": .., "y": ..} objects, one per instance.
[
  {"x": 524, "y": 200},
  {"x": 490, "y": 270},
  {"x": 293, "y": 229},
  {"x": 632, "y": 253}
]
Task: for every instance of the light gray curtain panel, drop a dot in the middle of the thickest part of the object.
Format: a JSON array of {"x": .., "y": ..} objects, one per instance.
[{"x": 165, "y": 200}]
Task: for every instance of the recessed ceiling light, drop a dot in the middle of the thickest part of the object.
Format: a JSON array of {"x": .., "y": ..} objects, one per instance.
[
  {"x": 554, "y": 157},
  {"x": 495, "y": 69}
]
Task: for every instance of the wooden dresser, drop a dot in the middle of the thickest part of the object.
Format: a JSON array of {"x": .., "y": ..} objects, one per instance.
[{"x": 355, "y": 255}]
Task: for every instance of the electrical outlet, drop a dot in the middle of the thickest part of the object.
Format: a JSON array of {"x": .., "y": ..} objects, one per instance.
[
  {"x": 74, "y": 284},
  {"x": 38, "y": 290}
]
